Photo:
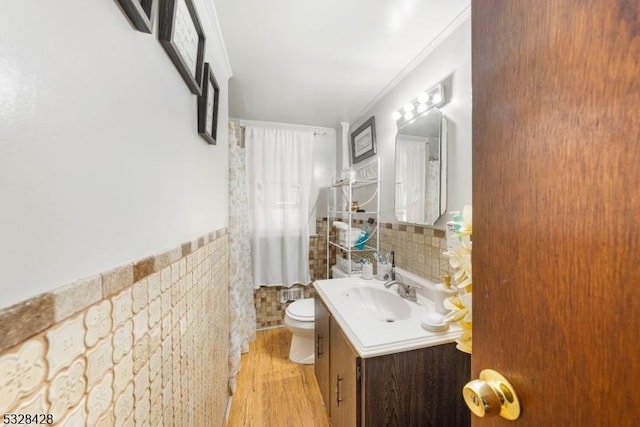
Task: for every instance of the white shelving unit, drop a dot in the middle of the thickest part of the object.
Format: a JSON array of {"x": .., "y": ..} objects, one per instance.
[{"x": 365, "y": 184}]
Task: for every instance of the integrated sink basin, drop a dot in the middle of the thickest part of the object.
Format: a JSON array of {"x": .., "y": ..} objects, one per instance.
[
  {"x": 378, "y": 321},
  {"x": 378, "y": 304}
]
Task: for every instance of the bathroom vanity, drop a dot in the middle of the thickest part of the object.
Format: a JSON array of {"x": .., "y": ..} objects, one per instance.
[{"x": 376, "y": 365}]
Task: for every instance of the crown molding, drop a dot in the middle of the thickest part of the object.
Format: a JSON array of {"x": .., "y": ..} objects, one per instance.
[{"x": 212, "y": 16}]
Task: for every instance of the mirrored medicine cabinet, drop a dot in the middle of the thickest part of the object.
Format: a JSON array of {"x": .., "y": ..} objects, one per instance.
[{"x": 421, "y": 169}]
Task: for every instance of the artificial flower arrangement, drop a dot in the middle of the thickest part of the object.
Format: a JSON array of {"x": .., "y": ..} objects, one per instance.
[{"x": 460, "y": 304}]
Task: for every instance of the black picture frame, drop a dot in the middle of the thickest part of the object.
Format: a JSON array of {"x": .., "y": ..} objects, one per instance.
[
  {"x": 208, "y": 106},
  {"x": 363, "y": 141},
  {"x": 140, "y": 13},
  {"x": 182, "y": 36}
]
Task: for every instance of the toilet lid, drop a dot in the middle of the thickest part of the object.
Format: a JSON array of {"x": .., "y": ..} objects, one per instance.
[{"x": 302, "y": 310}]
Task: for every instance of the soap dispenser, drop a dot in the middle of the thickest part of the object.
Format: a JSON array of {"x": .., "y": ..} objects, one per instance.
[{"x": 443, "y": 291}]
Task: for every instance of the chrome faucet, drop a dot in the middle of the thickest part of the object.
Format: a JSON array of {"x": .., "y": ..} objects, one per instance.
[{"x": 404, "y": 290}]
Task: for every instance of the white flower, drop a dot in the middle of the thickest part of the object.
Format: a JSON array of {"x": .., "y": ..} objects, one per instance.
[{"x": 460, "y": 305}]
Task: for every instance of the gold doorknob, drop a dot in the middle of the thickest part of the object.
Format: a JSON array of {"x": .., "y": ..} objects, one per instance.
[{"x": 490, "y": 395}]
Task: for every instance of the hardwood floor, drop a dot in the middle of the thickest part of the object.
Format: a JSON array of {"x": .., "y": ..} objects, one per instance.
[{"x": 274, "y": 392}]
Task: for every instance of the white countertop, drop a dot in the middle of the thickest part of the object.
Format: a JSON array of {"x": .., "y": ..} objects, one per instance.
[{"x": 370, "y": 337}]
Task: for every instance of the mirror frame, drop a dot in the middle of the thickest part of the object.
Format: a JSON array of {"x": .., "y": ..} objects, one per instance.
[{"x": 443, "y": 150}]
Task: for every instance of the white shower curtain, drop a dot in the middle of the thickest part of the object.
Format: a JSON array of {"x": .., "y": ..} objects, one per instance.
[
  {"x": 411, "y": 154},
  {"x": 279, "y": 171},
  {"x": 242, "y": 310}
]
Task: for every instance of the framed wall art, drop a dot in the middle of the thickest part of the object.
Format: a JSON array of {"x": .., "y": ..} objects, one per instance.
[
  {"x": 363, "y": 141},
  {"x": 208, "y": 106},
  {"x": 140, "y": 13},
  {"x": 182, "y": 36}
]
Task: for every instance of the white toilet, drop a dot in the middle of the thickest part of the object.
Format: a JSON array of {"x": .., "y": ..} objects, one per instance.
[{"x": 299, "y": 318}]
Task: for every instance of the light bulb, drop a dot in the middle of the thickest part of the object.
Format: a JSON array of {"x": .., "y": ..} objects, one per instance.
[
  {"x": 423, "y": 98},
  {"x": 408, "y": 115},
  {"x": 396, "y": 115},
  {"x": 422, "y": 108},
  {"x": 408, "y": 107},
  {"x": 436, "y": 98}
]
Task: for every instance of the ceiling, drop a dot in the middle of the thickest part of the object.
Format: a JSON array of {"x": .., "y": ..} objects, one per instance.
[{"x": 322, "y": 62}]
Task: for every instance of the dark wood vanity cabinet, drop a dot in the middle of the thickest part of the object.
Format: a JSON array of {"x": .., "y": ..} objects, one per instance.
[
  {"x": 416, "y": 388},
  {"x": 322, "y": 351},
  {"x": 420, "y": 387}
]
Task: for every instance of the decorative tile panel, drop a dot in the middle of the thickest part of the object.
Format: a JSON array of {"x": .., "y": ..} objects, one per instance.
[
  {"x": 155, "y": 417},
  {"x": 141, "y": 383},
  {"x": 66, "y": 342},
  {"x": 156, "y": 390},
  {"x": 107, "y": 420},
  {"x": 99, "y": 361},
  {"x": 140, "y": 324},
  {"x": 155, "y": 363},
  {"x": 166, "y": 303},
  {"x": 140, "y": 354},
  {"x": 155, "y": 283},
  {"x": 130, "y": 422},
  {"x": 123, "y": 407},
  {"x": 140, "y": 295},
  {"x": 123, "y": 374},
  {"x": 67, "y": 389},
  {"x": 165, "y": 282},
  {"x": 122, "y": 341},
  {"x": 155, "y": 311},
  {"x": 98, "y": 322},
  {"x": 100, "y": 399},
  {"x": 122, "y": 308},
  {"x": 35, "y": 405},
  {"x": 155, "y": 337},
  {"x": 21, "y": 373},
  {"x": 143, "y": 406},
  {"x": 76, "y": 418}
]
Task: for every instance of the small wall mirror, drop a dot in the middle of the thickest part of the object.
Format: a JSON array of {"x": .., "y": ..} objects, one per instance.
[{"x": 421, "y": 169}]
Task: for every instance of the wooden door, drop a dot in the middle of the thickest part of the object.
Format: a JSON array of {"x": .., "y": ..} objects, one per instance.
[
  {"x": 322, "y": 338},
  {"x": 556, "y": 194},
  {"x": 343, "y": 381}
]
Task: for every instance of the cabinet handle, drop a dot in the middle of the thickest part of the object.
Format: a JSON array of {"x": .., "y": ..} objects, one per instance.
[
  {"x": 319, "y": 346},
  {"x": 338, "y": 393}
]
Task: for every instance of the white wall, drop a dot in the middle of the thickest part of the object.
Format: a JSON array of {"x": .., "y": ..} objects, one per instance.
[
  {"x": 100, "y": 160},
  {"x": 451, "y": 59}
]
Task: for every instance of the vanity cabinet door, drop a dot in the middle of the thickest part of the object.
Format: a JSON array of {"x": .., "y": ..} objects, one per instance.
[
  {"x": 322, "y": 351},
  {"x": 344, "y": 385},
  {"x": 416, "y": 388}
]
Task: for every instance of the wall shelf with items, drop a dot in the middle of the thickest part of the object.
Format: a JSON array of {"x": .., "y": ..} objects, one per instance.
[{"x": 353, "y": 197}]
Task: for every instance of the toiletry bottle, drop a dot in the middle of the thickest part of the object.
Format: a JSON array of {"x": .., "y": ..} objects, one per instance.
[
  {"x": 364, "y": 234},
  {"x": 453, "y": 228},
  {"x": 443, "y": 291}
]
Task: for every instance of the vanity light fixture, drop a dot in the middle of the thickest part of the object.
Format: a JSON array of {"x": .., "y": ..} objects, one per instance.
[{"x": 426, "y": 100}]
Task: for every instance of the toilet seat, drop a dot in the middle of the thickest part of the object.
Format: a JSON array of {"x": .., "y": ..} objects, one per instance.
[{"x": 302, "y": 310}]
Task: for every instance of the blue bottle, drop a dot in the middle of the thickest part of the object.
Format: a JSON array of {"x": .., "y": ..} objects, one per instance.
[{"x": 364, "y": 234}]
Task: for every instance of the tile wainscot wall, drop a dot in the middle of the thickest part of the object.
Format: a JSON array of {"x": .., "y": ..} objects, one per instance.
[{"x": 142, "y": 344}]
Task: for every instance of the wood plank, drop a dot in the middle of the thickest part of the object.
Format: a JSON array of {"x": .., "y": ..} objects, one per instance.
[{"x": 273, "y": 391}]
